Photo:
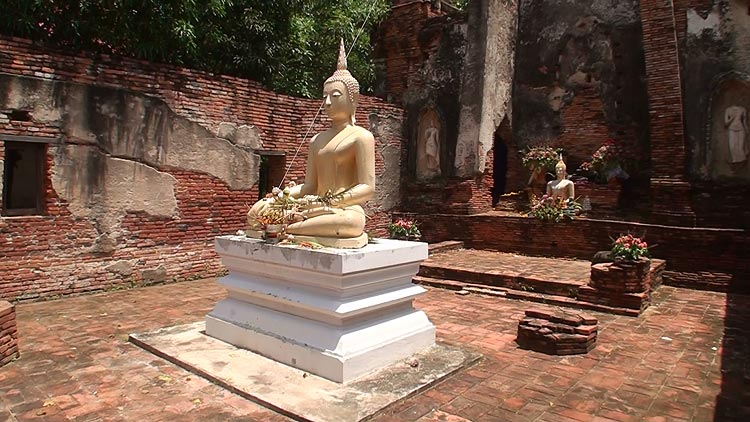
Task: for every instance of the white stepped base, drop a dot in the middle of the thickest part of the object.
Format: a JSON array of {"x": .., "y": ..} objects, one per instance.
[{"x": 339, "y": 314}]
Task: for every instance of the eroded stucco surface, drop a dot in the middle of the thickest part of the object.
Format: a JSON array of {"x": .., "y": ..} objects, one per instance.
[
  {"x": 117, "y": 148},
  {"x": 487, "y": 81}
]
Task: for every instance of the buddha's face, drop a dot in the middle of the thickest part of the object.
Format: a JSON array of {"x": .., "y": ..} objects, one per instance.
[
  {"x": 560, "y": 170},
  {"x": 337, "y": 104}
]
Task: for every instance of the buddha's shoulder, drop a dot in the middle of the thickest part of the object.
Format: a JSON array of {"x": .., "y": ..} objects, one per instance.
[{"x": 362, "y": 133}]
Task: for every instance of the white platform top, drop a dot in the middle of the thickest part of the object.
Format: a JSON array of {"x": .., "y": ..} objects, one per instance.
[{"x": 380, "y": 253}]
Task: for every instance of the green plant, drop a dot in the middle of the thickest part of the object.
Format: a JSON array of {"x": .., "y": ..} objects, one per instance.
[
  {"x": 404, "y": 228},
  {"x": 541, "y": 157},
  {"x": 550, "y": 209},
  {"x": 630, "y": 248}
]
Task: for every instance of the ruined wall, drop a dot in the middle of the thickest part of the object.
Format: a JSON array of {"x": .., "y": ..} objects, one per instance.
[
  {"x": 146, "y": 164},
  {"x": 452, "y": 72},
  {"x": 580, "y": 77},
  {"x": 714, "y": 40}
]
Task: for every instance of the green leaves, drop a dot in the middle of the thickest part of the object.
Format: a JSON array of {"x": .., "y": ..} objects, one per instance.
[{"x": 289, "y": 45}]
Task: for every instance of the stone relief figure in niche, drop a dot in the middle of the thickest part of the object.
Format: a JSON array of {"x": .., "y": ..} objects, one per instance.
[
  {"x": 727, "y": 139},
  {"x": 735, "y": 120},
  {"x": 428, "y": 146}
]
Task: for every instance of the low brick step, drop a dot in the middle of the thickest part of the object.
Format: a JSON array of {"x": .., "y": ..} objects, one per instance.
[
  {"x": 448, "y": 245},
  {"x": 515, "y": 282},
  {"x": 548, "y": 299}
]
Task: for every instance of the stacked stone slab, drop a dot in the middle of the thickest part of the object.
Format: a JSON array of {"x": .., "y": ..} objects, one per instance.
[
  {"x": 8, "y": 333},
  {"x": 622, "y": 284},
  {"x": 557, "y": 332}
]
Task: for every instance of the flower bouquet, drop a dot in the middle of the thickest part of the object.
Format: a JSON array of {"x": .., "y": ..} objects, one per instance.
[
  {"x": 550, "y": 209},
  {"x": 404, "y": 229},
  {"x": 629, "y": 248},
  {"x": 279, "y": 209},
  {"x": 608, "y": 163},
  {"x": 541, "y": 157}
]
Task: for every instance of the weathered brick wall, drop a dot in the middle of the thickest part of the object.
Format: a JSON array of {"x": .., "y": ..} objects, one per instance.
[
  {"x": 664, "y": 89},
  {"x": 579, "y": 78},
  {"x": 54, "y": 254},
  {"x": 715, "y": 259},
  {"x": 8, "y": 333},
  {"x": 400, "y": 49}
]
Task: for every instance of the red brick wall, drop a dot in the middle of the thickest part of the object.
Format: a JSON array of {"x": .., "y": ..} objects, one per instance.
[
  {"x": 50, "y": 256},
  {"x": 696, "y": 257},
  {"x": 400, "y": 47},
  {"x": 664, "y": 89},
  {"x": 8, "y": 333}
]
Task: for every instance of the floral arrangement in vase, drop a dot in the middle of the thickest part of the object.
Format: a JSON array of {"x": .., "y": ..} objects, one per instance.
[
  {"x": 541, "y": 157},
  {"x": 282, "y": 209},
  {"x": 404, "y": 229},
  {"x": 609, "y": 162},
  {"x": 629, "y": 248},
  {"x": 550, "y": 209}
]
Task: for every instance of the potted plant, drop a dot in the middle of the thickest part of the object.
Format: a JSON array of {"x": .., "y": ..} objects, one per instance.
[
  {"x": 629, "y": 248},
  {"x": 539, "y": 160},
  {"x": 404, "y": 229},
  {"x": 543, "y": 157}
]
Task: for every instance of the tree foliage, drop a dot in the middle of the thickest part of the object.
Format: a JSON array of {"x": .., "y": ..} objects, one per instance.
[{"x": 289, "y": 45}]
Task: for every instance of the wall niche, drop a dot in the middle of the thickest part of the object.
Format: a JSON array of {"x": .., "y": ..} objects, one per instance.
[{"x": 728, "y": 140}]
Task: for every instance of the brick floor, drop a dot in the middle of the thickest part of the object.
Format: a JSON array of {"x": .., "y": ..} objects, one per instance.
[{"x": 683, "y": 360}]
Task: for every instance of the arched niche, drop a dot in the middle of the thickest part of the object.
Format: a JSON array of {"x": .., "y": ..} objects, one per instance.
[
  {"x": 430, "y": 134},
  {"x": 728, "y": 137}
]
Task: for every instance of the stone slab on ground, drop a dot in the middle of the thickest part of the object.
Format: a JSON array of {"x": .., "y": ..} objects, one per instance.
[{"x": 294, "y": 392}]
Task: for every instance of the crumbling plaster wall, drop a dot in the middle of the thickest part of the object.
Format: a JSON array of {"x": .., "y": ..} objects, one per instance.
[
  {"x": 487, "y": 81},
  {"x": 715, "y": 54},
  {"x": 114, "y": 143},
  {"x": 580, "y": 76}
]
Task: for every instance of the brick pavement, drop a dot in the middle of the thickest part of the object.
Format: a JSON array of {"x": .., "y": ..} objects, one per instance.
[{"x": 76, "y": 363}]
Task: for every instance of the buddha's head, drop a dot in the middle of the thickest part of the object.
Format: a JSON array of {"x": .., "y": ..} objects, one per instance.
[
  {"x": 341, "y": 91},
  {"x": 560, "y": 169}
]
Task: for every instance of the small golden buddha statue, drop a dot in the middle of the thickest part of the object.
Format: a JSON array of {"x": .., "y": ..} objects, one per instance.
[
  {"x": 561, "y": 188},
  {"x": 340, "y": 168}
]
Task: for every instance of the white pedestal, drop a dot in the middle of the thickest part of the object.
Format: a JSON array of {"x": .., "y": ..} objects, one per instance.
[{"x": 336, "y": 313}]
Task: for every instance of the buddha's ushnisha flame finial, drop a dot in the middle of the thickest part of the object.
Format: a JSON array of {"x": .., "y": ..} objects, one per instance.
[
  {"x": 341, "y": 65},
  {"x": 342, "y": 75}
]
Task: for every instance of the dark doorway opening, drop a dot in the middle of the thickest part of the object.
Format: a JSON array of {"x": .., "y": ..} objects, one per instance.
[
  {"x": 23, "y": 178},
  {"x": 272, "y": 168},
  {"x": 500, "y": 166}
]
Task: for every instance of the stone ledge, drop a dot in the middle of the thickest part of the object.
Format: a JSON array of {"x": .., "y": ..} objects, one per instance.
[{"x": 557, "y": 333}]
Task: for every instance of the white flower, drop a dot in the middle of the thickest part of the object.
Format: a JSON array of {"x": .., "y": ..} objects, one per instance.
[
  {"x": 292, "y": 184},
  {"x": 276, "y": 191}
]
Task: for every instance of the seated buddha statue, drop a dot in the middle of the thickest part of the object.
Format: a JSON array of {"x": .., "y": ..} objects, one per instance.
[
  {"x": 340, "y": 167},
  {"x": 561, "y": 187}
]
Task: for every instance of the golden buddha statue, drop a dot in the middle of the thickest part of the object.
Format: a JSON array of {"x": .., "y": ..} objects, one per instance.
[
  {"x": 561, "y": 187},
  {"x": 340, "y": 168}
]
